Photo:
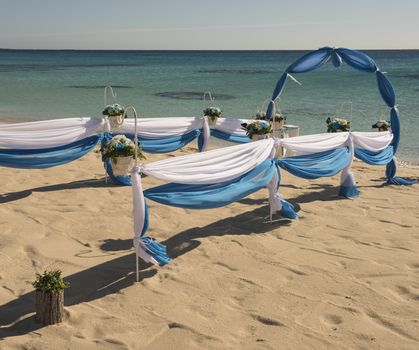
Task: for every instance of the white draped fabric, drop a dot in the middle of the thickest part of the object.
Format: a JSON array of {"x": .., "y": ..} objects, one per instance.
[
  {"x": 214, "y": 166},
  {"x": 48, "y": 133},
  {"x": 155, "y": 128},
  {"x": 372, "y": 141},
  {"x": 231, "y": 126},
  {"x": 314, "y": 143},
  {"x": 210, "y": 167},
  {"x": 307, "y": 144}
]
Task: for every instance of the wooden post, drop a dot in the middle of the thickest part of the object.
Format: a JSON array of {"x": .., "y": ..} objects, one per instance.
[{"x": 49, "y": 307}]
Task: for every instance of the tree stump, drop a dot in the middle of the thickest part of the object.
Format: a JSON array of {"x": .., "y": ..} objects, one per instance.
[{"x": 49, "y": 307}]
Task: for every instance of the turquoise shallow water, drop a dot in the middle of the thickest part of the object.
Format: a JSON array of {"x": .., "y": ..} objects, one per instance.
[{"x": 58, "y": 84}]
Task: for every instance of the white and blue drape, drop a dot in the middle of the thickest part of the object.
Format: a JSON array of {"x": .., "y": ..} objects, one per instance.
[
  {"x": 361, "y": 61},
  {"x": 163, "y": 135},
  {"x": 327, "y": 154},
  {"x": 216, "y": 178},
  {"x": 44, "y": 144},
  {"x": 205, "y": 180}
]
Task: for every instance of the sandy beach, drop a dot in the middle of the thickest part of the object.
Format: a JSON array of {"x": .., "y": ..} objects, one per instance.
[{"x": 343, "y": 276}]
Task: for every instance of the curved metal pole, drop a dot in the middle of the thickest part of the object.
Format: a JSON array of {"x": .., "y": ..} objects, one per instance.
[
  {"x": 114, "y": 95},
  {"x": 210, "y": 97},
  {"x": 137, "y": 270},
  {"x": 127, "y": 108}
]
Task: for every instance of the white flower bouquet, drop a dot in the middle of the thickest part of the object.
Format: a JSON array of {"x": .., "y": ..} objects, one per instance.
[
  {"x": 382, "y": 125},
  {"x": 337, "y": 125},
  {"x": 258, "y": 127},
  {"x": 114, "y": 110},
  {"x": 121, "y": 151},
  {"x": 213, "y": 113}
]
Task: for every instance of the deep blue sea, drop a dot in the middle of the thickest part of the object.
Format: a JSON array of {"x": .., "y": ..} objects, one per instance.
[{"x": 42, "y": 84}]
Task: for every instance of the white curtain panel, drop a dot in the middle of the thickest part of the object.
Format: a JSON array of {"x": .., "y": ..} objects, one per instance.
[
  {"x": 231, "y": 126},
  {"x": 315, "y": 143},
  {"x": 213, "y": 166},
  {"x": 155, "y": 128},
  {"x": 47, "y": 134},
  {"x": 372, "y": 141}
]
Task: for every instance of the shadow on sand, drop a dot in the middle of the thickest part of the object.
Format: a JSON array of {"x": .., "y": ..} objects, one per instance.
[
  {"x": 92, "y": 183},
  {"x": 16, "y": 316}
]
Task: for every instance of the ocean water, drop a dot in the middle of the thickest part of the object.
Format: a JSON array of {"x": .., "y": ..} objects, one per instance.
[{"x": 42, "y": 84}]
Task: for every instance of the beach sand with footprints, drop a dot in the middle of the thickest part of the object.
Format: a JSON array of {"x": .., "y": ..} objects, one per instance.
[{"x": 344, "y": 275}]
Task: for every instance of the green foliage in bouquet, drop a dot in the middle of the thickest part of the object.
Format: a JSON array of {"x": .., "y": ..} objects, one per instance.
[
  {"x": 259, "y": 127},
  {"x": 337, "y": 124},
  {"x": 213, "y": 113},
  {"x": 120, "y": 146},
  {"x": 114, "y": 110},
  {"x": 382, "y": 125}
]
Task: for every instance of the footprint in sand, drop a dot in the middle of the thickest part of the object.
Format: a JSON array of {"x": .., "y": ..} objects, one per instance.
[
  {"x": 267, "y": 321},
  {"x": 408, "y": 293},
  {"x": 413, "y": 266},
  {"x": 331, "y": 319}
]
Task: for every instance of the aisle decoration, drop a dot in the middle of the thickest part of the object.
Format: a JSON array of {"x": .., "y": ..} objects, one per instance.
[
  {"x": 120, "y": 150},
  {"x": 381, "y": 125},
  {"x": 361, "y": 61},
  {"x": 257, "y": 129},
  {"x": 213, "y": 113},
  {"x": 44, "y": 144},
  {"x": 338, "y": 125}
]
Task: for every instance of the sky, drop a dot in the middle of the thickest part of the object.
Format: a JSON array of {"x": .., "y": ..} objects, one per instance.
[{"x": 208, "y": 25}]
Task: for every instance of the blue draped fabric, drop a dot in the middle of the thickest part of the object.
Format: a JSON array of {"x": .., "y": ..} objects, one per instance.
[
  {"x": 395, "y": 127},
  {"x": 280, "y": 86},
  {"x": 396, "y": 180},
  {"x": 287, "y": 209},
  {"x": 348, "y": 191},
  {"x": 228, "y": 137},
  {"x": 386, "y": 89},
  {"x": 336, "y": 59},
  {"x": 375, "y": 158},
  {"x": 201, "y": 141},
  {"x": 209, "y": 196},
  {"x": 47, "y": 157},
  {"x": 166, "y": 144},
  {"x": 315, "y": 165},
  {"x": 270, "y": 110},
  {"x": 357, "y": 59},
  {"x": 118, "y": 180},
  {"x": 155, "y": 249},
  {"x": 361, "y": 61},
  {"x": 311, "y": 61}
]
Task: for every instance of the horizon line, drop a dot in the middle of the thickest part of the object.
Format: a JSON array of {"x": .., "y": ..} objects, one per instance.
[{"x": 197, "y": 50}]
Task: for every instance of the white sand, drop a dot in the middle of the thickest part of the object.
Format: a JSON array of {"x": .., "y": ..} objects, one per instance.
[{"x": 345, "y": 275}]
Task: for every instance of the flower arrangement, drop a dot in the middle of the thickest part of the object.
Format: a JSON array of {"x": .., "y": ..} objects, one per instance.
[
  {"x": 382, "y": 125},
  {"x": 213, "y": 113},
  {"x": 262, "y": 115},
  {"x": 50, "y": 282},
  {"x": 120, "y": 146},
  {"x": 259, "y": 115},
  {"x": 338, "y": 125},
  {"x": 258, "y": 127},
  {"x": 114, "y": 110},
  {"x": 279, "y": 118}
]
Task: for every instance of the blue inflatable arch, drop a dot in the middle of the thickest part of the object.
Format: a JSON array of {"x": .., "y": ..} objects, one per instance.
[{"x": 362, "y": 62}]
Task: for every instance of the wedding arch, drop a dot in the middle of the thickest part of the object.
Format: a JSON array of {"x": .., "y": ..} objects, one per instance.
[{"x": 360, "y": 61}]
